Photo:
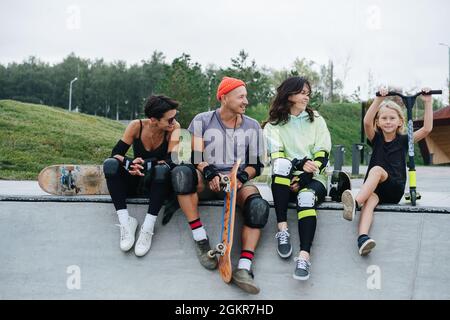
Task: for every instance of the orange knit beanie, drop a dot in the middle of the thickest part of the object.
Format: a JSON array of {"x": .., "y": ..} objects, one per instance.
[{"x": 228, "y": 84}]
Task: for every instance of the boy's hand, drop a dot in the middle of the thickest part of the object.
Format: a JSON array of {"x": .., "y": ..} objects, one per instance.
[{"x": 426, "y": 98}]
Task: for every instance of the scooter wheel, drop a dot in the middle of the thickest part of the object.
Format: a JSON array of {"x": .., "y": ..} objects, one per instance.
[{"x": 413, "y": 196}]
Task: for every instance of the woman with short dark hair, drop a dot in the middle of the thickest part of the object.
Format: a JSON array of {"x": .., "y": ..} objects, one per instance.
[{"x": 154, "y": 139}]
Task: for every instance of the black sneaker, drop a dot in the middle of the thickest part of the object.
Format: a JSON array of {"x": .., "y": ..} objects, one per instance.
[
  {"x": 202, "y": 248},
  {"x": 365, "y": 245},
  {"x": 284, "y": 247},
  {"x": 244, "y": 280},
  {"x": 169, "y": 209}
]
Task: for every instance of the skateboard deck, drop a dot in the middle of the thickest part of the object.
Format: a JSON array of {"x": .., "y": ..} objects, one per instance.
[
  {"x": 228, "y": 216},
  {"x": 340, "y": 181},
  {"x": 71, "y": 180}
]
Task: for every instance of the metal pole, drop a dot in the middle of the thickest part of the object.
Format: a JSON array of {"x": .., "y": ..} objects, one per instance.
[
  {"x": 70, "y": 94},
  {"x": 70, "y": 97},
  {"x": 448, "y": 80}
]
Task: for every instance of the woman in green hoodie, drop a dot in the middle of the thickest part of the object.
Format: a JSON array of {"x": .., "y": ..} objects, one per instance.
[{"x": 299, "y": 144}]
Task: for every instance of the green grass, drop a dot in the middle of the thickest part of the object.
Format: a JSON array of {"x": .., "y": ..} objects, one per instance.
[
  {"x": 343, "y": 121},
  {"x": 35, "y": 136}
]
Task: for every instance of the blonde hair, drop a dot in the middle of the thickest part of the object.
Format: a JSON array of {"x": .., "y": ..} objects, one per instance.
[{"x": 393, "y": 106}]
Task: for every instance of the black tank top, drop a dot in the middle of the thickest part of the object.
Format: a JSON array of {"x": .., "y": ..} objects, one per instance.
[{"x": 159, "y": 153}]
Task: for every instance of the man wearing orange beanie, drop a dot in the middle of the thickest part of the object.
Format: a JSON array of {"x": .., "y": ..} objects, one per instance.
[
  {"x": 228, "y": 84},
  {"x": 236, "y": 136}
]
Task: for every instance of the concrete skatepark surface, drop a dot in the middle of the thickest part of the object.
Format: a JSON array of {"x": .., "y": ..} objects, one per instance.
[{"x": 43, "y": 241}]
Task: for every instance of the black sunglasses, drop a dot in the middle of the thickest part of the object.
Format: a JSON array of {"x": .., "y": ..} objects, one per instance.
[{"x": 171, "y": 120}]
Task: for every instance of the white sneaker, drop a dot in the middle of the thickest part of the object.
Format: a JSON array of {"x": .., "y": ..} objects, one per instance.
[
  {"x": 127, "y": 234},
  {"x": 143, "y": 244},
  {"x": 349, "y": 205}
]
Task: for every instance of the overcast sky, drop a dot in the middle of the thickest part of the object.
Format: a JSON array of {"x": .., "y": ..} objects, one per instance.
[{"x": 397, "y": 40}]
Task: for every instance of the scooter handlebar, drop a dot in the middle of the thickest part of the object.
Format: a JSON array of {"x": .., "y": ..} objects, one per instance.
[
  {"x": 393, "y": 93},
  {"x": 434, "y": 92},
  {"x": 390, "y": 93}
]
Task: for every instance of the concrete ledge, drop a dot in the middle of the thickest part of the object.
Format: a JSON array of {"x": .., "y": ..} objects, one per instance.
[{"x": 214, "y": 203}]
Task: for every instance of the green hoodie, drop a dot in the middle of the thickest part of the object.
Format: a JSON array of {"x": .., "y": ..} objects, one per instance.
[{"x": 299, "y": 138}]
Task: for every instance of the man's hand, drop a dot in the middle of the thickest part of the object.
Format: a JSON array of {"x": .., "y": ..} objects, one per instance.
[{"x": 214, "y": 184}]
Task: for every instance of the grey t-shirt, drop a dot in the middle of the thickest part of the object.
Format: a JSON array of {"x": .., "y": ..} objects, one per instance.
[{"x": 223, "y": 145}]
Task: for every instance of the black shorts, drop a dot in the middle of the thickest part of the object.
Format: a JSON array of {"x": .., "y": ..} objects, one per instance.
[{"x": 390, "y": 191}]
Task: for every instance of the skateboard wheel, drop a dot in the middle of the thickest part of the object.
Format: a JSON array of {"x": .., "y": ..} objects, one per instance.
[
  {"x": 211, "y": 254},
  {"x": 220, "y": 247}
]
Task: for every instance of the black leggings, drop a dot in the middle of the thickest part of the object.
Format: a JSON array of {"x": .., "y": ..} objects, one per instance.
[
  {"x": 123, "y": 185},
  {"x": 307, "y": 217}
]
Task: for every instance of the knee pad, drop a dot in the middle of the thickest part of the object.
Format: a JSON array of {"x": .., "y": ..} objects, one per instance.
[
  {"x": 184, "y": 179},
  {"x": 306, "y": 199},
  {"x": 161, "y": 173},
  {"x": 282, "y": 171},
  {"x": 111, "y": 167},
  {"x": 256, "y": 211}
]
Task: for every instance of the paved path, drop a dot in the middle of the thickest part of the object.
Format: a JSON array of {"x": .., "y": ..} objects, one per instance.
[{"x": 42, "y": 241}]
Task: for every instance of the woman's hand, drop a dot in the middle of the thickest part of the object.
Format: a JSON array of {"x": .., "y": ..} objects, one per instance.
[
  {"x": 310, "y": 166},
  {"x": 295, "y": 185},
  {"x": 135, "y": 168}
]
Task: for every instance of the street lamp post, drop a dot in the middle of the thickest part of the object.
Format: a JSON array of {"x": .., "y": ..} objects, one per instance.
[
  {"x": 448, "y": 84},
  {"x": 70, "y": 94}
]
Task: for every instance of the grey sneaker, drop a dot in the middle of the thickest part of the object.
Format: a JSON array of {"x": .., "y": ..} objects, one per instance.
[
  {"x": 202, "y": 248},
  {"x": 302, "y": 267},
  {"x": 284, "y": 248},
  {"x": 244, "y": 280},
  {"x": 349, "y": 202}
]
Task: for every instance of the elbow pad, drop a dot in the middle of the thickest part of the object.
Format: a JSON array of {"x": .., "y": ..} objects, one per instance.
[
  {"x": 321, "y": 159},
  {"x": 120, "y": 148}
]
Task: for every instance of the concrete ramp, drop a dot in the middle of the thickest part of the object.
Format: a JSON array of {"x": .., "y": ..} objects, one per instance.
[{"x": 45, "y": 244}]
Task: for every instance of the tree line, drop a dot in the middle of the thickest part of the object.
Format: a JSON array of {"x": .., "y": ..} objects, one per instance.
[{"x": 118, "y": 91}]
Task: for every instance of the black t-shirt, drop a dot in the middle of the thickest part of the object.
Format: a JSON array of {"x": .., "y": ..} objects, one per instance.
[{"x": 391, "y": 156}]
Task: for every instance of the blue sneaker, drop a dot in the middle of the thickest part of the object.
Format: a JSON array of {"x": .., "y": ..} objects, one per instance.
[{"x": 365, "y": 245}]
